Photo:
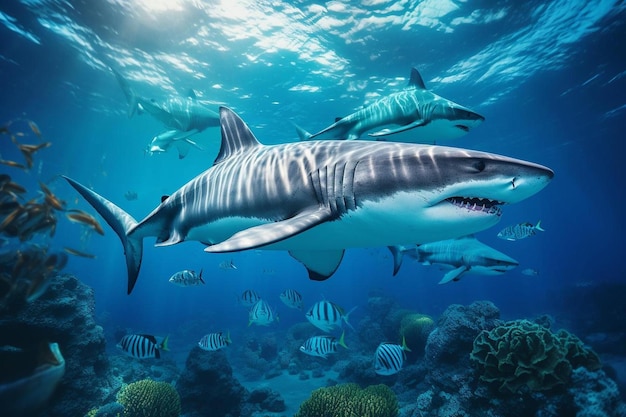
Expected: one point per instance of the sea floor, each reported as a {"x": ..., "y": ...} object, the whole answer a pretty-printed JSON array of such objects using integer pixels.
[{"x": 293, "y": 390}]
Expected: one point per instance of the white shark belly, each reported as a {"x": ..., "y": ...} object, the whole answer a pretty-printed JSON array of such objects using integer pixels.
[{"x": 389, "y": 221}]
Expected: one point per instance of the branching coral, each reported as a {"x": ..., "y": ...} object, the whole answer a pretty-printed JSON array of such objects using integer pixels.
[
  {"x": 349, "y": 400},
  {"x": 148, "y": 398},
  {"x": 521, "y": 353}
]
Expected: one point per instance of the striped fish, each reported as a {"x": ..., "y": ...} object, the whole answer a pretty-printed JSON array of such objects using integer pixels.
[
  {"x": 389, "y": 358},
  {"x": 248, "y": 298},
  {"x": 187, "y": 278},
  {"x": 142, "y": 346},
  {"x": 214, "y": 341},
  {"x": 261, "y": 314},
  {"x": 326, "y": 315},
  {"x": 520, "y": 231},
  {"x": 322, "y": 345},
  {"x": 291, "y": 298}
]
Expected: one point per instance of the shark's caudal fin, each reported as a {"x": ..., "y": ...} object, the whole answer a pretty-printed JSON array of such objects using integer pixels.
[
  {"x": 121, "y": 222},
  {"x": 131, "y": 98}
]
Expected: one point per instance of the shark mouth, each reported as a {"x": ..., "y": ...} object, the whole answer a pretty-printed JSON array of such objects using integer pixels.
[
  {"x": 462, "y": 127},
  {"x": 477, "y": 204}
]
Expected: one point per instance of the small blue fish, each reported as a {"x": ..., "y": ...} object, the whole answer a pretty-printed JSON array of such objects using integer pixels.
[
  {"x": 530, "y": 272},
  {"x": 291, "y": 298},
  {"x": 226, "y": 265},
  {"x": 187, "y": 278},
  {"x": 520, "y": 231},
  {"x": 214, "y": 341}
]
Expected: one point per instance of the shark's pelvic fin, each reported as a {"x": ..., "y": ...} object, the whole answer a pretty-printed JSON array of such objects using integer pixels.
[
  {"x": 268, "y": 233},
  {"x": 122, "y": 223},
  {"x": 416, "y": 80},
  {"x": 454, "y": 275},
  {"x": 319, "y": 264},
  {"x": 236, "y": 135}
]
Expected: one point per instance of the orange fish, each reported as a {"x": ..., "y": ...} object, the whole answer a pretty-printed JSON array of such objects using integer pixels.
[
  {"x": 51, "y": 199},
  {"x": 34, "y": 128},
  {"x": 80, "y": 216},
  {"x": 79, "y": 253},
  {"x": 29, "y": 150},
  {"x": 12, "y": 163}
]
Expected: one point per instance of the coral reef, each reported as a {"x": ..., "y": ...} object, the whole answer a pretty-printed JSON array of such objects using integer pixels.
[
  {"x": 65, "y": 314},
  {"x": 521, "y": 353},
  {"x": 266, "y": 399},
  {"x": 207, "y": 386},
  {"x": 148, "y": 398},
  {"x": 415, "y": 328},
  {"x": 350, "y": 400}
]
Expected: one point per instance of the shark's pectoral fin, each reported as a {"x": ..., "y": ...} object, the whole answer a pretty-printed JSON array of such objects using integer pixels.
[
  {"x": 454, "y": 275},
  {"x": 183, "y": 149},
  {"x": 268, "y": 233},
  {"x": 386, "y": 132},
  {"x": 319, "y": 264}
]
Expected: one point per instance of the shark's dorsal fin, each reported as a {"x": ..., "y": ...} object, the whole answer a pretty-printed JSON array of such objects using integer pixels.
[
  {"x": 416, "y": 80},
  {"x": 192, "y": 94},
  {"x": 236, "y": 135}
]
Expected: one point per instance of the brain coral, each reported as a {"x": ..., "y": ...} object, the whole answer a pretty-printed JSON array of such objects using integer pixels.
[
  {"x": 349, "y": 400},
  {"x": 148, "y": 398},
  {"x": 415, "y": 328},
  {"x": 522, "y": 353}
]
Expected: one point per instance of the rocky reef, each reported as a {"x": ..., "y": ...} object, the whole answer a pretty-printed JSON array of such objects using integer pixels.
[{"x": 64, "y": 314}]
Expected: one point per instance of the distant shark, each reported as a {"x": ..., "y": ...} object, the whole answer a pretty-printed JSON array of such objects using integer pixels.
[
  {"x": 462, "y": 255},
  {"x": 434, "y": 118},
  {"x": 317, "y": 198},
  {"x": 185, "y": 116}
]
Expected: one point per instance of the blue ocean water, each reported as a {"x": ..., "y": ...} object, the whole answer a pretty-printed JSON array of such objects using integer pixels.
[{"x": 549, "y": 77}]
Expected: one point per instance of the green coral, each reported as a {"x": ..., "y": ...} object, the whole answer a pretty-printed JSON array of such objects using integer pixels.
[
  {"x": 349, "y": 400},
  {"x": 148, "y": 398},
  {"x": 522, "y": 353},
  {"x": 415, "y": 328}
]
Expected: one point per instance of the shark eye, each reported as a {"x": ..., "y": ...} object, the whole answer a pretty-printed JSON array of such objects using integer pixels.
[{"x": 479, "y": 165}]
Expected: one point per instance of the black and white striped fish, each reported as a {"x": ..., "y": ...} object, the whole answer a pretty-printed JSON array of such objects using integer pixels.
[
  {"x": 142, "y": 346},
  {"x": 261, "y": 314},
  {"x": 322, "y": 345},
  {"x": 291, "y": 298},
  {"x": 389, "y": 358},
  {"x": 520, "y": 231},
  {"x": 248, "y": 298},
  {"x": 326, "y": 315},
  {"x": 187, "y": 278},
  {"x": 214, "y": 341}
]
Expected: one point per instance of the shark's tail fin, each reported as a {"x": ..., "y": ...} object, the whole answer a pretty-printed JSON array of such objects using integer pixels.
[
  {"x": 131, "y": 98},
  {"x": 121, "y": 222},
  {"x": 302, "y": 134},
  {"x": 396, "y": 252}
]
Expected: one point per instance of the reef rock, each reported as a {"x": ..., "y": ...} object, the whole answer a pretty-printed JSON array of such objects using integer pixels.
[
  {"x": 207, "y": 386},
  {"x": 64, "y": 314}
]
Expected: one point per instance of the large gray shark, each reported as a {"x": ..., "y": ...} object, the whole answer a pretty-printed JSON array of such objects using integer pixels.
[
  {"x": 415, "y": 107},
  {"x": 185, "y": 116},
  {"x": 317, "y": 198},
  {"x": 462, "y": 255}
]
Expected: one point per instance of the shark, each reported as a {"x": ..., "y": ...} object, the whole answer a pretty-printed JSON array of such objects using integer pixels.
[
  {"x": 315, "y": 199},
  {"x": 185, "y": 116},
  {"x": 462, "y": 255},
  {"x": 432, "y": 118}
]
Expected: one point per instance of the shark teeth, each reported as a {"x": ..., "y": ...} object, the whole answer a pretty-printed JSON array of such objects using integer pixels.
[{"x": 477, "y": 204}]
